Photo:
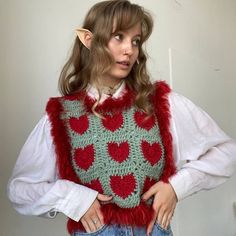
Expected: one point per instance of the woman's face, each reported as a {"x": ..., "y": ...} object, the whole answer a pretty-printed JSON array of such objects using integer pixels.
[{"x": 124, "y": 47}]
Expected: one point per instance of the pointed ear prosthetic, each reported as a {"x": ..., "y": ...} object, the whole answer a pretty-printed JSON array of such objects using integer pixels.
[{"x": 85, "y": 36}]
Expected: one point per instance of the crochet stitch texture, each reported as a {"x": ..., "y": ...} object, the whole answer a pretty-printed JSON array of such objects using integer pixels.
[
  {"x": 142, "y": 214},
  {"x": 116, "y": 154}
]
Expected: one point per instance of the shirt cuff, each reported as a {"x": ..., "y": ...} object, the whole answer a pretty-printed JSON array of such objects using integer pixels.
[
  {"x": 77, "y": 202},
  {"x": 186, "y": 182},
  {"x": 50, "y": 214}
]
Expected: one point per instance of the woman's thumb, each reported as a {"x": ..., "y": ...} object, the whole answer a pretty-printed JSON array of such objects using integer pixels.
[{"x": 104, "y": 198}]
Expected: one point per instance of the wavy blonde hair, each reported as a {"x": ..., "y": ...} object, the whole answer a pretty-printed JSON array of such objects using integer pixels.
[{"x": 85, "y": 66}]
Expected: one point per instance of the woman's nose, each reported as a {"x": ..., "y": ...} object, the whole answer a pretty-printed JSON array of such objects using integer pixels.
[{"x": 128, "y": 48}]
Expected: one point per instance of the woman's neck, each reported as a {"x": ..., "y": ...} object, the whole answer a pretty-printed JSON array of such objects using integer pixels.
[
  {"x": 108, "y": 82},
  {"x": 108, "y": 88}
]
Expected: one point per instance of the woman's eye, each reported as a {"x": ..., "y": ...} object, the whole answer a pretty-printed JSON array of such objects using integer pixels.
[
  {"x": 136, "y": 42},
  {"x": 119, "y": 36}
]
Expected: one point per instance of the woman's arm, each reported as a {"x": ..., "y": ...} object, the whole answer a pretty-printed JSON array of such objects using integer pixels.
[
  {"x": 205, "y": 155},
  {"x": 35, "y": 189}
]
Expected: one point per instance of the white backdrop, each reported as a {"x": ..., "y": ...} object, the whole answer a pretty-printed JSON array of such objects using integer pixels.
[{"x": 35, "y": 40}]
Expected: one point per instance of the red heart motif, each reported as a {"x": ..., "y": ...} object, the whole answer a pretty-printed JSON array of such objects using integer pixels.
[
  {"x": 79, "y": 125},
  {"x": 95, "y": 185},
  {"x": 114, "y": 122},
  {"x": 84, "y": 157},
  {"x": 152, "y": 152},
  {"x": 123, "y": 186},
  {"x": 119, "y": 152},
  {"x": 143, "y": 121}
]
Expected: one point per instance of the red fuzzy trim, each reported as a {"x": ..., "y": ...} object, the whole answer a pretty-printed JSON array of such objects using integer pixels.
[
  {"x": 61, "y": 140},
  {"x": 137, "y": 216},
  {"x": 113, "y": 104},
  {"x": 109, "y": 105},
  {"x": 161, "y": 107}
]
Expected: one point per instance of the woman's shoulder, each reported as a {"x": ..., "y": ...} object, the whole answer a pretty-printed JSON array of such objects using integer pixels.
[
  {"x": 55, "y": 102},
  {"x": 71, "y": 97},
  {"x": 161, "y": 89},
  {"x": 161, "y": 85}
]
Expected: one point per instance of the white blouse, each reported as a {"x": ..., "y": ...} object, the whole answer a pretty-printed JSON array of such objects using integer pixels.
[{"x": 204, "y": 154}]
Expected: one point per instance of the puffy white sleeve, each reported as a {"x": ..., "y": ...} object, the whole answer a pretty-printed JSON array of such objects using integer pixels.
[
  {"x": 34, "y": 187},
  {"x": 205, "y": 156}
]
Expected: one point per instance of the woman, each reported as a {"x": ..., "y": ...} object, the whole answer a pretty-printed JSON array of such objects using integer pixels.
[{"x": 105, "y": 153}]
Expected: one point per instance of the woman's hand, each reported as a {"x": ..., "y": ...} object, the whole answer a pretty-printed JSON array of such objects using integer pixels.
[
  {"x": 164, "y": 204},
  {"x": 92, "y": 220}
]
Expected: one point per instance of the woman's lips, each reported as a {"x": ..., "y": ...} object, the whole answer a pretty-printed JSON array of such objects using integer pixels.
[{"x": 124, "y": 64}]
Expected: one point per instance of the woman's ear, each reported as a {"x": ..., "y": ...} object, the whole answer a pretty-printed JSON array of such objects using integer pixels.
[{"x": 85, "y": 36}]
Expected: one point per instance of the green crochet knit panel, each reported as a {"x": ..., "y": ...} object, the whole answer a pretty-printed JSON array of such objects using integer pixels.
[{"x": 116, "y": 155}]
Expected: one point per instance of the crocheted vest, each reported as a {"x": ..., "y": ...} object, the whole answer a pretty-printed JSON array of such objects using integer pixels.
[{"x": 121, "y": 154}]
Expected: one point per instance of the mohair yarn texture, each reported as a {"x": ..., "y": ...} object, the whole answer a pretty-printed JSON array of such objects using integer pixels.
[{"x": 122, "y": 154}]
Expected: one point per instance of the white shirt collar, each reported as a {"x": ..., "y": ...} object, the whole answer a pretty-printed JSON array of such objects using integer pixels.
[{"x": 93, "y": 92}]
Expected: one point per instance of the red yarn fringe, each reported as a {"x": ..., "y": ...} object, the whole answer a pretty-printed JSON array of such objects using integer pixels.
[
  {"x": 112, "y": 104},
  {"x": 109, "y": 105},
  {"x": 137, "y": 216},
  {"x": 61, "y": 141},
  {"x": 162, "y": 110}
]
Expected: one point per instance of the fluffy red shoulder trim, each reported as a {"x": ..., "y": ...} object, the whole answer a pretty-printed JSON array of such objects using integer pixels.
[
  {"x": 162, "y": 110},
  {"x": 61, "y": 140}
]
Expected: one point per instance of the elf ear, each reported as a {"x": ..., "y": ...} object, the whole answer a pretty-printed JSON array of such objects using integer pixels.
[{"x": 85, "y": 36}]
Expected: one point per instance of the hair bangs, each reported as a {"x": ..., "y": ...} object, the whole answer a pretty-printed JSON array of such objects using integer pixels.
[{"x": 127, "y": 15}]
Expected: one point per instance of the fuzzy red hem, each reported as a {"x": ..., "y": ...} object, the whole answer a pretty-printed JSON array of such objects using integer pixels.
[{"x": 137, "y": 216}]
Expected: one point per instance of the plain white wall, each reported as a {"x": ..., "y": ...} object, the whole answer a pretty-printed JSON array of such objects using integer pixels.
[
  {"x": 35, "y": 40},
  {"x": 202, "y": 35}
]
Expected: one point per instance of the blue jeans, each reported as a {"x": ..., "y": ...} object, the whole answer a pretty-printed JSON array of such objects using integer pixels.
[{"x": 115, "y": 230}]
